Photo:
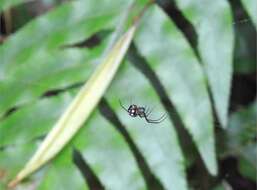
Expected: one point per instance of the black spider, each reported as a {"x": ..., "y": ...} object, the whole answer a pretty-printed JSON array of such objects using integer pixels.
[{"x": 142, "y": 112}]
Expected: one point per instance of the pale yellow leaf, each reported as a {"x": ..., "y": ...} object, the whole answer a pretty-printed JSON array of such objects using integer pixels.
[{"x": 80, "y": 108}]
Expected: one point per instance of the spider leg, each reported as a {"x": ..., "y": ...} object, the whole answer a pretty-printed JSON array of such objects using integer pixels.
[
  {"x": 148, "y": 112},
  {"x": 159, "y": 120},
  {"x": 150, "y": 121},
  {"x": 123, "y": 106},
  {"x": 163, "y": 117}
]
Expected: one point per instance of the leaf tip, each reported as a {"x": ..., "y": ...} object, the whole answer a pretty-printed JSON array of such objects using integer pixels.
[
  {"x": 214, "y": 171},
  {"x": 12, "y": 184}
]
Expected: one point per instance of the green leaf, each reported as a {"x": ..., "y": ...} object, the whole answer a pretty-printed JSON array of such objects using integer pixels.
[
  {"x": 34, "y": 119},
  {"x": 241, "y": 134},
  {"x": 22, "y": 131},
  {"x": 40, "y": 57},
  {"x": 13, "y": 158},
  {"x": 109, "y": 157},
  {"x": 250, "y": 6},
  {"x": 157, "y": 142},
  {"x": 67, "y": 24},
  {"x": 213, "y": 24},
  {"x": 61, "y": 69},
  {"x": 176, "y": 66},
  {"x": 55, "y": 176},
  {"x": 104, "y": 148},
  {"x": 246, "y": 167},
  {"x": 31, "y": 130},
  {"x": 242, "y": 126}
]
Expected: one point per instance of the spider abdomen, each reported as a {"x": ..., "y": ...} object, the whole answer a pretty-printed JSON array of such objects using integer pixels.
[{"x": 141, "y": 111}]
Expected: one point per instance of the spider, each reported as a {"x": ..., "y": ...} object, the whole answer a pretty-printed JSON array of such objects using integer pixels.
[{"x": 142, "y": 112}]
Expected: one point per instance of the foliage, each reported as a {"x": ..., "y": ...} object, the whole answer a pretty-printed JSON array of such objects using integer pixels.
[
  {"x": 43, "y": 68},
  {"x": 241, "y": 139}
]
